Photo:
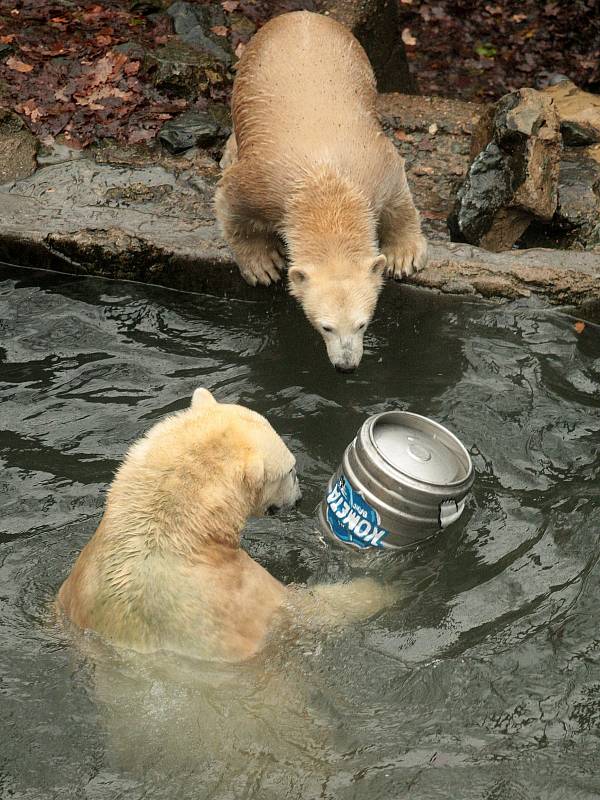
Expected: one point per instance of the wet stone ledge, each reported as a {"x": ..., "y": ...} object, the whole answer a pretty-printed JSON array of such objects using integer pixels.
[{"x": 145, "y": 215}]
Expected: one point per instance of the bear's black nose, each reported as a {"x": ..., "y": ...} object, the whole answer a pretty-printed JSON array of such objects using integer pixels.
[{"x": 345, "y": 370}]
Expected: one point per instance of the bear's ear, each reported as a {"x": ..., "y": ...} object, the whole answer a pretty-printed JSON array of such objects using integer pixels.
[
  {"x": 379, "y": 265},
  {"x": 202, "y": 397},
  {"x": 255, "y": 471},
  {"x": 298, "y": 277}
]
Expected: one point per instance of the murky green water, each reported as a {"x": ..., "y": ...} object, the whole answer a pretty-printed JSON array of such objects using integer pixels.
[{"x": 483, "y": 683}]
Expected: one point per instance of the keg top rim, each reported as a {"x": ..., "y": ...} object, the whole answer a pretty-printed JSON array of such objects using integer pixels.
[{"x": 434, "y": 431}]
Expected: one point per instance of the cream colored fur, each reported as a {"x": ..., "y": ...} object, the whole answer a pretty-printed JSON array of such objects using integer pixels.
[
  {"x": 165, "y": 570},
  {"x": 309, "y": 175}
]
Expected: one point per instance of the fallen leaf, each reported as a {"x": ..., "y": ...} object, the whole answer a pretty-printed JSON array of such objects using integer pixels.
[
  {"x": 92, "y": 12},
  {"x": 230, "y": 5},
  {"x": 8, "y": 39},
  {"x": 219, "y": 30},
  {"x": 433, "y": 129},
  {"x": 579, "y": 326},
  {"x": 408, "y": 38},
  {"x": 108, "y": 67},
  {"x": 18, "y": 66},
  {"x": 140, "y": 135},
  {"x": 102, "y": 93},
  {"x": 31, "y": 110},
  {"x": 61, "y": 96},
  {"x": 240, "y": 49},
  {"x": 403, "y": 137},
  {"x": 423, "y": 171},
  {"x": 518, "y": 17}
]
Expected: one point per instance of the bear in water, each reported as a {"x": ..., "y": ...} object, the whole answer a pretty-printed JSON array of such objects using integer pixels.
[{"x": 165, "y": 570}]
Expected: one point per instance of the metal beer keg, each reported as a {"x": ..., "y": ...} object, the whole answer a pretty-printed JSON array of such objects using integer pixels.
[{"x": 402, "y": 480}]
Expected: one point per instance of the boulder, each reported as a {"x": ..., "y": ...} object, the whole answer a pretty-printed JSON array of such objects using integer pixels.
[
  {"x": 193, "y": 25},
  {"x": 183, "y": 70},
  {"x": 513, "y": 178},
  {"x": 190, "y": 129},
  {"x": 18, "y": 148},
  {"x": 376, "y": 26},
  {"x": 579, "y": 197},
  {"x": 197, "y": 58},
  {"x": 576, "y": 223},
  {"x": 579, "y": 112}
]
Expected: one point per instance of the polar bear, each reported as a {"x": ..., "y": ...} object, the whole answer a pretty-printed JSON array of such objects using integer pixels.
[
  {"x": 165, "y": 570},
  {"x": 310, "y": 176}
]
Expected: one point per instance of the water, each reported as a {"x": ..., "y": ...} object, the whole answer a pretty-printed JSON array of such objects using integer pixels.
[{"x": 484, "y": 682}]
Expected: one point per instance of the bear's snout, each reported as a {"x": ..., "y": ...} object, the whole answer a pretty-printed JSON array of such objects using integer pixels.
[{"x": 344, "y": 368}]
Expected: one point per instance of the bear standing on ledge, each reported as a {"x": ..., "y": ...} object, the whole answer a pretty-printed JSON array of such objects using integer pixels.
[{"x": 309, "y": 173}]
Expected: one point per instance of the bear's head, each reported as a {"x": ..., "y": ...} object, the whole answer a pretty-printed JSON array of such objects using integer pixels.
[
  {"x": 210, "y": 466},
  {"x": 259, "y": 455},
  {"x": 339, "y": 301}
]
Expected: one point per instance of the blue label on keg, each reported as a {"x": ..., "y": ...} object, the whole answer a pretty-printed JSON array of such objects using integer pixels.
[{"x": 351, "y": 518}]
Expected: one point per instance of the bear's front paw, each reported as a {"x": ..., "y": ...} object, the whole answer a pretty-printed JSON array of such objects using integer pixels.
[
  {"x": 406, "y": 257},
  {"x": 262, "y": 266}
]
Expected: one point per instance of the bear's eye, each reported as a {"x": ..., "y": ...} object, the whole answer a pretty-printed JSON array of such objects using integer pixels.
[
  {"x": 327, "y": 328},
  {"x": 362, "y": 326}
]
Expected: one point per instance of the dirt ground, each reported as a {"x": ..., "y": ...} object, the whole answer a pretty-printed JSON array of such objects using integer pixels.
[
  {"x": 478, "y": 51},
  {"x": 85, "y": 69}
]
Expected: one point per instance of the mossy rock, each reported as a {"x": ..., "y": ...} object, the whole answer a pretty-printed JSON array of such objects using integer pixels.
[{"x": 183, "y": 70}]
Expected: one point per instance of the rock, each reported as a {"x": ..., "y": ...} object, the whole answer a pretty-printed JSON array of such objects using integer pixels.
[
  {"x": 146, "y": 7},
  {"x": 132, "y": 50},
  {"x": 563, "y": 278},
  {"x": 579, "y": 112},
  {"x": 18, "y": 148},
  {"x": 193, "y": 23},
  {"x": 139, "y": 221},
  {"x": 183, "y": 70},
  {"x": 375, "y": 25},
  {"x": 576, "y": 223},
  {"x": 579, "y": 196},
  {"x": 514, "y": 177},
  {"x": 190, "y": 129}
]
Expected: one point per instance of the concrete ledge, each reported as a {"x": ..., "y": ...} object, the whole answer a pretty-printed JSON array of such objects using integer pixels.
[{"x": 141, "y": 215}]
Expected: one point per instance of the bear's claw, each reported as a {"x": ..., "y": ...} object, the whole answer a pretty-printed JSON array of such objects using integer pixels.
[
  {"x": 406, "y": 258},
  {"x": 265, "y": 268}
]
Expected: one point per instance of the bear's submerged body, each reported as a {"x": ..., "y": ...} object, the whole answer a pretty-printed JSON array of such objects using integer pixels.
[
  {"x": 165, "y": 570},
  {"x": 311, "y": 169}
]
